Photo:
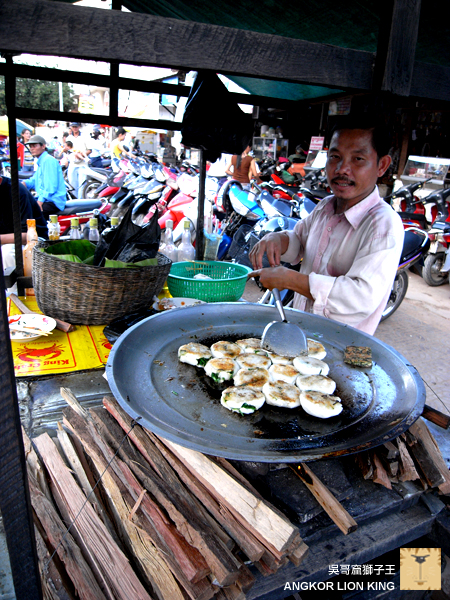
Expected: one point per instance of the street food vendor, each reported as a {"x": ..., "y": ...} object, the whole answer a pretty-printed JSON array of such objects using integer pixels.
[{"x": 350, "y": 245}]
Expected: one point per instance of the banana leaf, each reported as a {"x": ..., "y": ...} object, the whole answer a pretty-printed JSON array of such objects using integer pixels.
[
  {"x": 83, "y": 249},
  {"x": 69, "y": 257},
  {"x": 118, "y": 264}
]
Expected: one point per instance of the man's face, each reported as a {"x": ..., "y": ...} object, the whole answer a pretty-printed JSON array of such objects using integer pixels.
[
  {"x": 75, "y": 129},
  {"x": 352, "y": 166},
  {"x": 36, "y": 149}
]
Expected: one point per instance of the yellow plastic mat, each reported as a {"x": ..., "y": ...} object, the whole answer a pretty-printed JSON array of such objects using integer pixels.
[{"x": 80, "y": 350}]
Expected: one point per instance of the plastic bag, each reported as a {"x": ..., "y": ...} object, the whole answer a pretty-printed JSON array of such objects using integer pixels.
[
  {"x": 130, "y": 242},
  {"x": 212, "y": 121}
]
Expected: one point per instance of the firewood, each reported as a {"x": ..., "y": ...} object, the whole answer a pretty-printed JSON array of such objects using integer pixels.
[
  {"x": 174, "y": 550},
  {"x": 179, "y": 506},
  {"x": 231, "y": 592},
  {"x": 53, "y": 587},
  {"x": 325, "y": 498},
  {"x": 407, "y": 470},
  {"x": 389, "y": 450},
  {"x": 275, "y": 532},
  {"x": 379, "y": 472},
  {"x": 246, "y": 579},
  {"x": 153, "y": 455},
  {"x": 364, "y": 464},
  {"x": 296, "y": 556},
  {"x": 424, "y": 454},
  {"x": 422, "y": 433},
  {"x": 58, "y": 538},
  {"x": 109, "y": 564},
  {"x": 34, "y": 466},
  {"x": 147, "y": 442},
  {"x": 251, "y": 547}
]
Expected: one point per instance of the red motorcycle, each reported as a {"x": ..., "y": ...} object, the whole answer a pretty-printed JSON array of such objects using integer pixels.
[{"x": 83, "y": 210}]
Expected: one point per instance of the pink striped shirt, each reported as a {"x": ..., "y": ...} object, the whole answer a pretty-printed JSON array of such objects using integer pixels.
[{"x": 351, "y": 259}]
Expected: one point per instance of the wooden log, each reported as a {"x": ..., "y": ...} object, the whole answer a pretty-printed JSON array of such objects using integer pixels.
[
  {"x": 251, "y": 547},
  {"x": 232, "y": 592},
  {"x": 424, "y": 455},
  {"x": 379, "y": 472},
  {"x": 325, "y": 498},
  {"x": 178, "y": 505},
  {"x": 407, "y": 469},
  {"x": 109, "y": 564},
  {"x": 436, "y": 417},
  {"x": 153, "y": 455},
  {"x": 182, "y": 558},
  {"x": 273, "y": 531},
  {"x": 389, "y": 451},
  {"x": 246, "y": 579},
  {"x": 296, "y": 556},
  {"x": 421, "y": 431},
  {"x": 52, "y": 585},
  {"x": 67, "y": 550},
  {"x": 364, "y": 464}
]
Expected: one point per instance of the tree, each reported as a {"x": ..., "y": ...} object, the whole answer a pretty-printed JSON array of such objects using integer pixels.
[{"x": 34, "y": 93}]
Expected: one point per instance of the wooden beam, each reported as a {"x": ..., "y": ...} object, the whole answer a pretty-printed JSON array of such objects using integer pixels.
[
  {"x": 140, "y": 39},
  {"x": 397, "y": 47},
  {"x": 15, "y": 505}
]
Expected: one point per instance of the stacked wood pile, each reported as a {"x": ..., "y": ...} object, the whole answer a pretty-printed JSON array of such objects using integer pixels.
[
  {"x": 413, "y": 456},
  {"x": 163, "y": 522}
]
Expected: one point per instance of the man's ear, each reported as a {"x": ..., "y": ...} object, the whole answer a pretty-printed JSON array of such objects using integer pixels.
[{"x": 383, "y": 164}]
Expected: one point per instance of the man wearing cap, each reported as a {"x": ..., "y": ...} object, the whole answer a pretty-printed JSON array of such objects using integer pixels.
[
  {"x": 80, "y": 154},
  {"x": 48, "y": 180}
]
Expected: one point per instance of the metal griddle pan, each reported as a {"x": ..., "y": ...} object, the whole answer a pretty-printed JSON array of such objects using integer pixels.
[{"x": 178, "y": 402}]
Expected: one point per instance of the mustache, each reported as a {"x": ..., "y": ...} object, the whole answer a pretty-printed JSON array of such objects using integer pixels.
[{"x": 342, "y": 180}]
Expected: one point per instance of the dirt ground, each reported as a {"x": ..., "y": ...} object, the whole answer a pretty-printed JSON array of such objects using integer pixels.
[{"x": 420, "y": 331}]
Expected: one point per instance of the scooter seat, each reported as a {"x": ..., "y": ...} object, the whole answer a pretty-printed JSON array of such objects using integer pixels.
[
  {"x": 101, "y": 171},
  {"x": 25, "y": 174},
  {"x": 78, "y": 206}
]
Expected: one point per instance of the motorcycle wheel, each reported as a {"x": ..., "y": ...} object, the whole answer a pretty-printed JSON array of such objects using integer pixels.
[
  {"x": 88, "y": 191},
  {"x": 398, "y": 292},
  {"x": 431, "y": 271}
]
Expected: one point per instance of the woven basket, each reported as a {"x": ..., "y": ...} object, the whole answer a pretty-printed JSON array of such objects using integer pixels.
[{"x": 87, "y": 295}]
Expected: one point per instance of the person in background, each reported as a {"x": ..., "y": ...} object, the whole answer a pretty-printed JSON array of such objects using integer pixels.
[
  {"x": 97, "y": 147},
  {"x": 283, "y": 165},
  {"x": 299, "y": 156},
  {"x": 350, "y": 245},
  {"x": 28, "y": 160},
  {"x": 48, "y": 180},
  {"x": 81, "y": 152},
  {"x": 66, "y": 153},
  {"x": 242, "y": 168},
  {"x": 20, "y": 151},
  {"x": 117, "y": 145}
]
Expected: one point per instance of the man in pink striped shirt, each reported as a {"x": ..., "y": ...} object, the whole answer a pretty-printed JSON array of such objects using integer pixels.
[{"x": 350, "y": 245}]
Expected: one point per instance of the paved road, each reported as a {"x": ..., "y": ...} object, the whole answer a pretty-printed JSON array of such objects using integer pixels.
[{"x": 420, "y": 331}]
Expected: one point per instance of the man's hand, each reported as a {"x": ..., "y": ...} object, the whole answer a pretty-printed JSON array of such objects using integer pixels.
[
  {"x": 40, "y": 204},
  {"x": 275, "y": 277},
  {"x": 273, "y": 245}
]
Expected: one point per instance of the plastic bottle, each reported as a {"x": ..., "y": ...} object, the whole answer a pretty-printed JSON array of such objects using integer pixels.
[
  {"x": 94, "y": 235},
  {"x": 32, "y": 240},
  {"x": 186, "y": 250},
  {"x": 170, "y": 250},
  {"x": 108, "y": 233},
  {"x": 75, "y": 233},
  {"x": 54, "y": 228}
]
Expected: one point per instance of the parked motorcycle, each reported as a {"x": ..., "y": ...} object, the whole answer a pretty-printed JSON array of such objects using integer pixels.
[{"x": 437, "y": 261}]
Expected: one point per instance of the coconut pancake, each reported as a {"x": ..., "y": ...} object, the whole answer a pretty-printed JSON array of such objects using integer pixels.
[
  {"x": 254, "y": 378},
  {"x": 316, "y": 349},
  {"x": 320, "y": 405},
  {"x": 225, "y": 349},
  {"x": 243, "y": 400},
  {"x": 252, "y": 361},
  {"x": 282, "y": 394},
  {"x": 194, "y": 354},
  {"x": 221, "y": 369},
  {"x": 286, "y": 373},
  {"x": 315, "y": 383},
  {"x": 307, "y": 365}
]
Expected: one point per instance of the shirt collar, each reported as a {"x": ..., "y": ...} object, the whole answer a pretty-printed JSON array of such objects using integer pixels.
[
  {"x": 39, "y": 160},
  {"x": 356, "y": 213}
]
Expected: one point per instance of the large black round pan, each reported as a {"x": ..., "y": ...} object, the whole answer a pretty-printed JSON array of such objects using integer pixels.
[{"x": 177, "y": 402}]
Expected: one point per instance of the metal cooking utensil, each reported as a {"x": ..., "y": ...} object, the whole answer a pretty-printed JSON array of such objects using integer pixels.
[{"x": 284, "y": 338}]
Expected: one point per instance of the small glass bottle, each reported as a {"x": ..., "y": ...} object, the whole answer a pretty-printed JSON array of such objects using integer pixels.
[
  {"x": 32, "y": 240},
  {"x": 108, "y": 233},
  {"x": 75, "y": 233},
  {"x": 169, "y": 249},
  {"x": 94, "y": 235},
  {"x": 54, "y": 228},
  {"x": 186, "y": 250}
]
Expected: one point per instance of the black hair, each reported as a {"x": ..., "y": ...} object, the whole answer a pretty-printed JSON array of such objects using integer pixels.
[
  {"x": 380, "y": 135},
  {"x": 69, "y": 143},
  {"x": 120, "y": 131}
]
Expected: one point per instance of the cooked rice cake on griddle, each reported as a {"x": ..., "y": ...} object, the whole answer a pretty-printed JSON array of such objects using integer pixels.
[
  {"x": 282, "y": 394},
  {"x": 320, "y": 405},
  {"x": 358, "y": 356},
  {"x": 251, "y": 346},
  {"x": 287, "y": 373},
  {"x": 224, "y": 349},
  {"x": 194, "y": 354},
  {"x": 307, "y": 365},
  {"x": 254, "y": 378},
  {"x": 315, "y": 383},
  {"x": 252, "y": 361},
  {"x": 243, "y": 400},
  {"x": 221, "y": 369},
  {"x": 316, "y": 349}
]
